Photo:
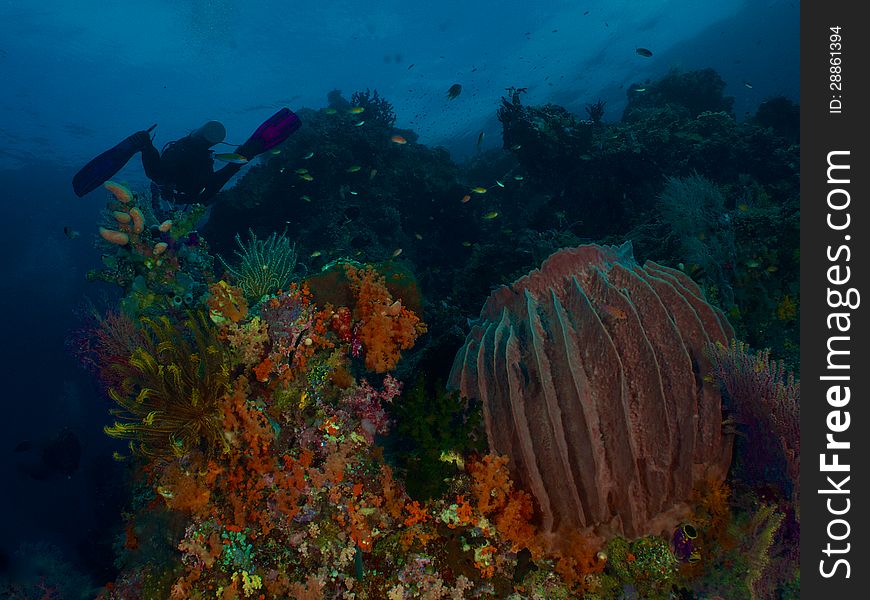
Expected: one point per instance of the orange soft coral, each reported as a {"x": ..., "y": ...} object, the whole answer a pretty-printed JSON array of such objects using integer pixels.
[
  {"x": 514, "y": 522},
  {"x": 182, "y": 490},
  {"x": 491, "y": 483},
  {"x": 226, "y": 303},
  {"x": 386, "y": 326}
]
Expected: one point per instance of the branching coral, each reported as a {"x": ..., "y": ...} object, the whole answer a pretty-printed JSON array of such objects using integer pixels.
[
  {"x": 265, "y": 266},
  {"x": 171, "y": 389},
  {"x": 377, "y": 108}
]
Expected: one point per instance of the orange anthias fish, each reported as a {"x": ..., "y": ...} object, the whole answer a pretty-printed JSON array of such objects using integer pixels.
[
  {"x": 615, "y": 312},
  {"x": 398, "y": 139}
]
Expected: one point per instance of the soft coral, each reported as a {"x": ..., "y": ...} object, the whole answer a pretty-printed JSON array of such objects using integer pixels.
[{"x": 387, "y": 326}]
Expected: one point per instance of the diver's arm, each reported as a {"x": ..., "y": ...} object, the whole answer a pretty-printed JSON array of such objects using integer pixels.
[{"x": 217, "y": 181}]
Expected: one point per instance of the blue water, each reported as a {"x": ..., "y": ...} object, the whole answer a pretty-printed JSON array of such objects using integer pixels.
[{"x": 79, "y": 76}]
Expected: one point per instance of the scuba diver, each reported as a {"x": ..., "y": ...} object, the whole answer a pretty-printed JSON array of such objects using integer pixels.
[{"x": 183, "y": 172}]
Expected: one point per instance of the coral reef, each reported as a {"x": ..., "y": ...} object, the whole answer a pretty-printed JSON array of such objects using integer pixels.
[
  {"x": 291, "y": 434},
  {"x": 694, "y": 91}
]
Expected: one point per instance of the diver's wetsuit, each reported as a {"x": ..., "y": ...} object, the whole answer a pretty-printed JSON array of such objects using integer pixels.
[{"x": 184, "y": 171}]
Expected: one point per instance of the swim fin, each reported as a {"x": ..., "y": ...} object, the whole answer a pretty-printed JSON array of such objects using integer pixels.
[
  {"x": 272, "y": 132},
  {"x": 103, "y": 167}
]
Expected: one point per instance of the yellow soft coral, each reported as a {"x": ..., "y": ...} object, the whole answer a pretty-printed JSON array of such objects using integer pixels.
[
  {"x": 250, "y": 583},
  {"x": 248, "y": 340}
]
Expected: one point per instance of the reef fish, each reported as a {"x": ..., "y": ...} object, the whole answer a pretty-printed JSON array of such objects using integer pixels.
[
  {"x": 70, "y": 232},
  {"x": 231, "y": 157},
  {"x": 454, "y": 91},
  {"x": 643, "y": 52},
  {"x": 397, "y": 139}
]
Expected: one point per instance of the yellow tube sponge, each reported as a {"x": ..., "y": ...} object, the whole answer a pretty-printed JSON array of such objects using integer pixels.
[
  {"x": 121, "y": 216},
  {"x": 114, "y": 237},
  {"x": 119, "y": 191},
  {"x": 138, "y": 220}
]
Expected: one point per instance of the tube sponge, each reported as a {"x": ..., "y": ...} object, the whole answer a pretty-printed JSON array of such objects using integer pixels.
[
  {"x": 138, "y": 220},
  {"x": 114, "y": 237},
  {"x": 121, "y": 216},
  {"x": 119, "y": 191}
]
